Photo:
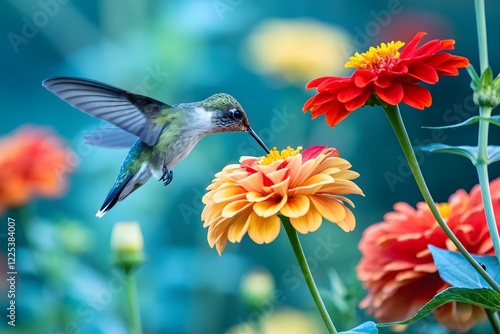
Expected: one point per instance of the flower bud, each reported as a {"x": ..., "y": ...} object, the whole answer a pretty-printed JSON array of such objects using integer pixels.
[
  {"x": 486, "y": 89},
  {"x": 127, "y": 245},
  {"x": 257, "y": 287},
  {"x": 487, "y": 96}
]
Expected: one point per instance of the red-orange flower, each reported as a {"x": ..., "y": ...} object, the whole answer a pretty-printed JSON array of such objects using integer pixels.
[
  {"x": 304, "y": 187},
  {"x": 33, "y": 163},
  {"x": 397, "y": 267},
  {"x": 385, "y": 72}
]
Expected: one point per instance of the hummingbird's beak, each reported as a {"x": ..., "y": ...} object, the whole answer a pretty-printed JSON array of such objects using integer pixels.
[{"x": 254, "y": 135}]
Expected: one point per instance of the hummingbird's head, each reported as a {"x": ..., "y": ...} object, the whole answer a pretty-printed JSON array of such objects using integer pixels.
[{"x": 229, "y": 116}]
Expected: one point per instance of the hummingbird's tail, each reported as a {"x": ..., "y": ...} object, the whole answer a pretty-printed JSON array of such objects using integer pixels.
[
  {"x": 113, "y": 195},
  {"x": 123, "y": 187}
]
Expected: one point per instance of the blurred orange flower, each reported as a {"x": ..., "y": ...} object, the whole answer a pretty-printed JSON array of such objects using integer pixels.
[
  {"x": 304, "y": 187},
  {"x": 397, "y": 267},
  {"x": 33, "y": 163},
  {"x": 388, "y": 74}
]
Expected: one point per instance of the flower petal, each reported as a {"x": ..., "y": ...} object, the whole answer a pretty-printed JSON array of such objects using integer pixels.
[
  {"x": 310, "y": 222},
  {"x": 229, "y": 194},
  {"x": 239, "y": 227},
  {"x": 410, "y": 47},
  {"x": 349, "y": 221},
  {"x": 392, "y": 95},
  {"x": 311, "y": 152},
  {"x": 316, "y": 82},
  {"x": 312, "y": 185},
  {"x": 349, "y": 93},
  {"x": 359, "y": 101},
  {"x": 330, "y": 208},
  {"x": 363, "y": 78},
  {"x": 295, "y": 206},
  {"x": 341, "y": 187},
  {"x": 235, "y": 207},
  {"x": 253, "y": 196},
  {"x": 281, "y": 188},
  {"x": 318, "y": 99},
  {"x": 334, "y": 117},
  {"x": 423, "y": 72},
  {"x": 253, "y": 182},
  {"x": 278, "y": 175},
  {"x": 211, "y": 213},
  {"x": 316, "y": 180},
  {"x": 416, "y": 96},
  {"x": 270, "y": 206},
  {"x": 263, "y": 230}
]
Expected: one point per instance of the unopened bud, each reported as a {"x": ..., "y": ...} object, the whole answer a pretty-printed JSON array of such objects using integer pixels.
[
  {"x": 487, "y": 96},
  {"x": 127, "y": 245}
]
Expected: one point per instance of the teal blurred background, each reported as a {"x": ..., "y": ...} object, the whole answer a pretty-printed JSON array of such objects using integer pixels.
[{"x": 263, "y": 53}]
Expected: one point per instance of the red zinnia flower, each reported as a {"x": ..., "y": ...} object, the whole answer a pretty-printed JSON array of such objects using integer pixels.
[
  {"x": 397, "y": 267},
  {"x": 33, "y": 162},
  {"x": 390, "y": 75}
]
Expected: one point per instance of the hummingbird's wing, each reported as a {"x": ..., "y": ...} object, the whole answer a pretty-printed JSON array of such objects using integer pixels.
[
  {"x": 131, "y": 112},
  {"x": 109, "y": 137}
]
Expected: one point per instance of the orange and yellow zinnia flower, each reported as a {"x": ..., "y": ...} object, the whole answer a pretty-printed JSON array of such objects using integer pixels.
[
  {"x": 388, "y": 74},
  {"x": 304, "y": 187},
  {"x": 397, "y": 267},
  {"x": 33, "y": 163}
]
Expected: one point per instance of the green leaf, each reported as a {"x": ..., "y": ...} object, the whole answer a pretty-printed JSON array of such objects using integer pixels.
[
  {"x": 338, "y": 293},
  {"x": 469, "y": 121},
  {"x": 469, "y": 152},
  {"x": 496, "y": 83},
  {"x": 474, "y": 76},
  {"x": 368, "y": 327},
  {"x": 487, "y": 77},
  {"x": 485, "y": 298},
  {"x": 493, "y": 153},
  {"x": 456, "y": 270},
  {"x": 493, "y": 120}
]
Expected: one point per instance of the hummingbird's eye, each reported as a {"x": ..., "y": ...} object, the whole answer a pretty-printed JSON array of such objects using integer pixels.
[{"x": 236, "y": 113}]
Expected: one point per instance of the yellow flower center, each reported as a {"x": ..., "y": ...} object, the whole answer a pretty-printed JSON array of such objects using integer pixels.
[
  {"x": 382, "y": 58},
  {"x": 444, "y": 209},
  {"x": 276, "y": 155}
]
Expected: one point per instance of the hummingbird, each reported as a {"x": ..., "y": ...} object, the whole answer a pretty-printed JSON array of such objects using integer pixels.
[{"x": 159, "y": 135}]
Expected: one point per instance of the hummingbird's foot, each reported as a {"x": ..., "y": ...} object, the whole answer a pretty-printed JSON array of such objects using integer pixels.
[{"x": 167, "y": 176}]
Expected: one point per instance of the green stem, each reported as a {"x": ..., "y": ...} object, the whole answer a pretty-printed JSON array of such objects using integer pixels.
[
  {"x": 485, "y": 112},
  {"x": 481, "y": 34},
  {"x": 133, "y": 302},
  {"x": 493, "y": 318},
  {"x": 301, "y": 259},
  {"x": 482, "y": 173},
  {"x": 397, "y": 123}
]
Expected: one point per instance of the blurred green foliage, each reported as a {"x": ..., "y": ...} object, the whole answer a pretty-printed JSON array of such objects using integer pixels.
[{"x": 181, "y": 51}]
